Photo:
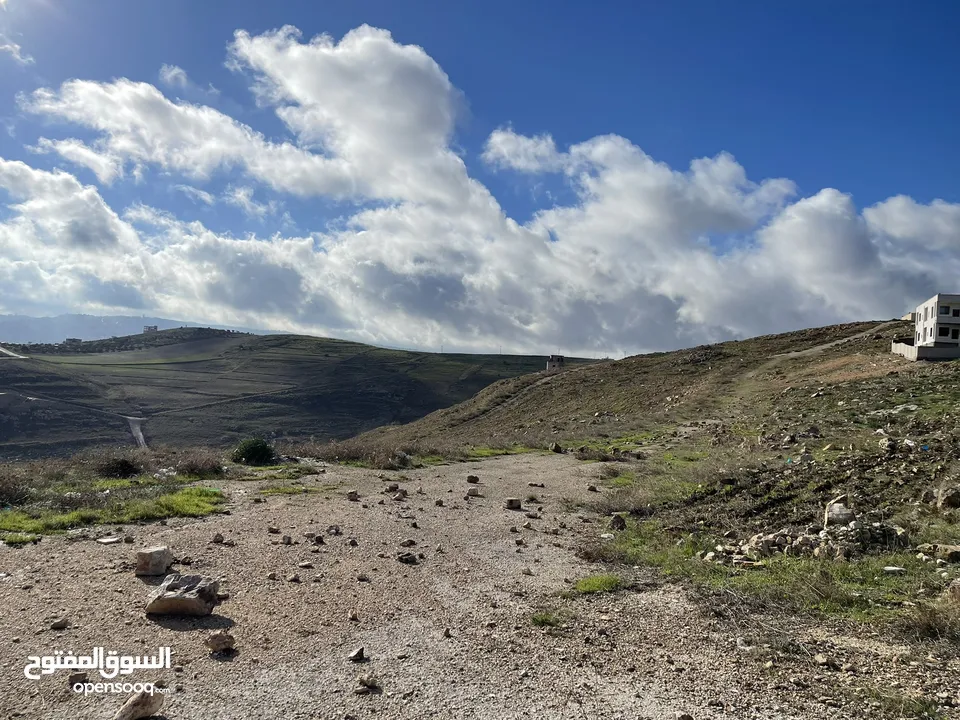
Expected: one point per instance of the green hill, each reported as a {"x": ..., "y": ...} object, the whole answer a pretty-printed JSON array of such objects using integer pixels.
[{"x": 201, "y": 386}]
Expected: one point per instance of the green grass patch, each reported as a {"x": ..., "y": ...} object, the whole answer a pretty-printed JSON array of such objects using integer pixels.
[
  {"x": 19, "y": 539},
  {"x": 186, "y": 502},
  {"x": 624, "y": 479},
  {"x": 858, "y": 589},
  {"x": 604, "y": 583},
  {"x": 545, "y": 619}
]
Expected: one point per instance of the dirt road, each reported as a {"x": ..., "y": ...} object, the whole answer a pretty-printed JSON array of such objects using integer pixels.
[{"x": 644, "y": 652}]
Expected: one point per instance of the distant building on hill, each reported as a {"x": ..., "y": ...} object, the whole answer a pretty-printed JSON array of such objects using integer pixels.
[
  {"x": 554, "y": 363},
  {"x": 149, "y": 329},
  {"x": 72, "y": 342},
  {"x": 936, "y": 330}
]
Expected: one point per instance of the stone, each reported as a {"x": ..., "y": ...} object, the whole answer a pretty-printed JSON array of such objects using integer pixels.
[
  {"x": 154, "y": 561},
  {"x": 293, "y": 578},
  {"x": 952, "y": 593},
  {"x": 682, "y": 716},
  {"x": 617, "y": 522},
  {"x": 473, "y": 492},
  {"x": 286, "y": 540},
  {"x": 221, "y": 642},
  {"x": 948, "y": 498},
  {"x": 140, "y": 705},
  {"x": 353, "y": 496},
  {"x": 526, "y": 571},
  {"x": 217, "y": 539},
  {"x": 353, "y": 616},
  {"x": 76, "y": 677},
  {"x": 128, "y": 539},
  {"x": 271, "y": 576},
  {"x": 366, "y": 684},
  {"x": 306, "y": 565},
  {"x": 512, "y": 504},
  {"x": 837, "y": 513},
  {"x": 357, "y": 656},
  {"x": 61, "y": 624},
  {"x": 473, "y": 479},
  {"x": 438, "y": 502},
  {"x": 408, "y": 543},
  {"x": 592, "y": 488},
  {"x": 334, "y": 530},
  {"x": 273, "y": 530},
  {"x": 894, "y": 570},
  {"x": 949, "y": 553},
  {"x": 108, "y": 540},
  {"x": 556, "y": 447},
  {"x": 184, "y": 595},
  {"x": 407, "y": 558}
]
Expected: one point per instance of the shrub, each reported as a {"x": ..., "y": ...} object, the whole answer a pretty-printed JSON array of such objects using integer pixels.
[
  {"x": 545, "y": 619},
  {"x": 200, "y": 462},
  {"x": 253, "y": 451},
  {"x": 117, "y": 467},
  {"x": 13, "y": 490}
]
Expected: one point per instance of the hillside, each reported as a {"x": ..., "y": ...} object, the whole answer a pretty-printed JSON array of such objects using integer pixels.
[
  {"x": 201, "y": 386},
  {"x": 736, "y": 382}
]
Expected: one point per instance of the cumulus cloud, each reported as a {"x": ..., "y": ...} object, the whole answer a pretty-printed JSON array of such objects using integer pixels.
[{"x": 645, "y": 256}]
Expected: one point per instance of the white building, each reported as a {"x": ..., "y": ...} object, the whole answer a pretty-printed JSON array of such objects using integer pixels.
[{"x": 936, "y": 330}]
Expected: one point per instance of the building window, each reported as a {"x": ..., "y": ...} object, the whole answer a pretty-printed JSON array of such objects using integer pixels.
[
  {"x": 956, "y": 312},
  {"x": 944, "y": 310},
  {"x": 955, "y": 334},
  {"x": 943, "y": 332},
  {"x": 918, "y": 337}
]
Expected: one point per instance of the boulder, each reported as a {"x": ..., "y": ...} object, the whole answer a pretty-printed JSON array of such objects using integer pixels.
[
  {"x": 221, "y": 642},
  {"x": 154, "y": 561},
  {"x": 837, "y": 513},
  {"x": 184, "y": 595},
  {"x": 512, "y": 504}
]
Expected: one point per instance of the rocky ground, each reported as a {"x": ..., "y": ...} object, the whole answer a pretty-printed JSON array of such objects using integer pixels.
[{"x": 451, "y": 636}]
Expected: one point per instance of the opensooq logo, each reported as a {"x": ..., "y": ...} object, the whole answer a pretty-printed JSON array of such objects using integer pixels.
[{"x": 110, "y": 664}]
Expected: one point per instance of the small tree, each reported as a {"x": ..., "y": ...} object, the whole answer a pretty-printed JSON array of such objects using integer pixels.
[{"x": 253, "y": 451}]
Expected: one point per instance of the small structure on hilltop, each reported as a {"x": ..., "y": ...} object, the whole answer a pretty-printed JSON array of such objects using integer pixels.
[
  {"x": 936, "y": 330},
  {"x": 149, "y": 329},
  {"x": 72, "y": 342},
  {"x": 554, "y": 363}
]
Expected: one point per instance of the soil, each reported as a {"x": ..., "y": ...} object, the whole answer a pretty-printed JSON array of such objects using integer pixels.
[{"x": 646, "y": 651}]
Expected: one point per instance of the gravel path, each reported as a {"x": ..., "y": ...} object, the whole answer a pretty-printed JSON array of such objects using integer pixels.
[{"x": 646, "y": 652}]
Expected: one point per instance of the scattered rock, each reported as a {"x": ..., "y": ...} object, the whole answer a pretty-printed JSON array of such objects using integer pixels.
[
  {"x": 221, "y": 642},
  {"x": 617, "y": 522},
  {"x": 948, "y": 497},
  {"x": 154, "y": 561},
  {"x": 473, "y": 492},
  {"x": 217, "y": 539},
  {"x": 837, "y": 513},
  {"x": 438, "y": 502},
  {"x": 184, "y": 595},
  {"x": 75, "y": 678},
  {"x": 366, "y": 684},
  {"x": 526, "y": 571},
  {"x": 357, "y": 656},
  {"x": 407, "y": 558},
  {"x": 353, "y": 616},
  {"x": 408, "y": 543},
  {"x": 273, "y": 530},
  {"x": 293, "y": 578},
  {"x": 140, "y": 705},
  {"x": 108, "y": 540},
  {"x": 61, "y": 624},
  {"x": 473, "y": 479},
  {"x": 556, "y": 447},
  {"x": 286, "y": 540},
  {"x": 353, "y": 496},
  {"x": 512, "y": 504},
  {"x": 592, "y": 488},
  {"x": 306, "y": 565}
]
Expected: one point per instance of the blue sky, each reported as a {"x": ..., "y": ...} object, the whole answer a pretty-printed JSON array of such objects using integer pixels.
[{"x": 857, "y": 96}]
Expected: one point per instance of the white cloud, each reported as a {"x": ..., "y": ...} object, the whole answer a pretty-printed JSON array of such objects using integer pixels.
[
  {"x": 173, "y": 76},
  {"x": 242, "y": 197},
  {"x": 15, "y": 51},
  {"x": 106, "y": 166},
  {"x": 196, "y": 194},
  {"x": 645, "y": 256}
]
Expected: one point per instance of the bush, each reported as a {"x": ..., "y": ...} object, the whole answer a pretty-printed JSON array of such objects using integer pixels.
[
  {"x": 253, "y": 451},
  {"x": 13, "y": 490},
  {"x": 598, "y": 584},
  {"x": 200, "y": 462},
  {"x": 117, "y": 467}
]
